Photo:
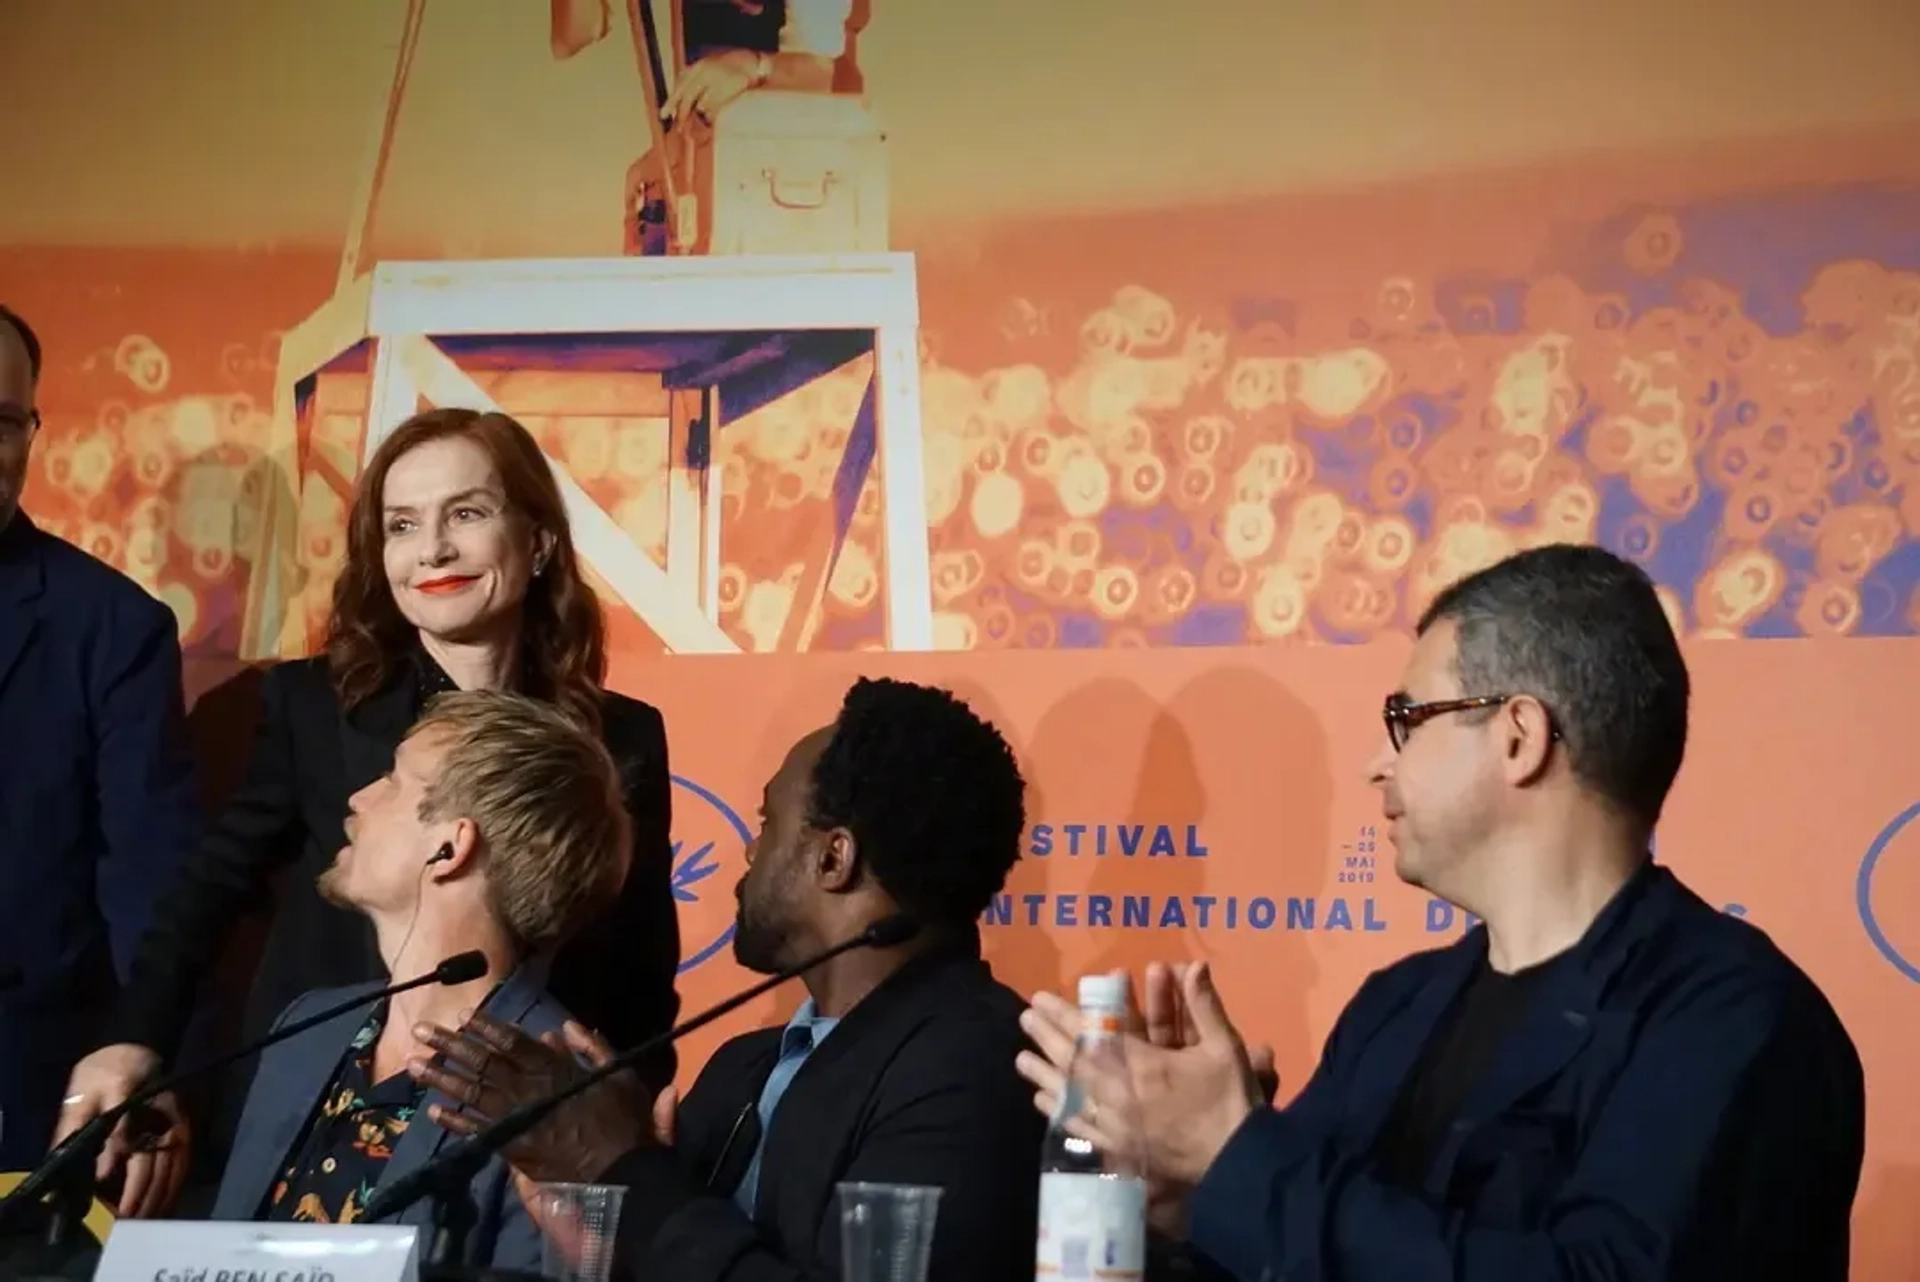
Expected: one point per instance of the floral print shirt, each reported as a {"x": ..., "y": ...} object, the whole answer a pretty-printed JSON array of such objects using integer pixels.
[{"x": 338, "y": 1162}]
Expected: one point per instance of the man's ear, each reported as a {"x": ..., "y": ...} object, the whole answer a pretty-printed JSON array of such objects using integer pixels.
[
  {"x": 1527, "y": 729},
  {"x": 457, "y": 852},
  {"x": 836, "y": 861}
]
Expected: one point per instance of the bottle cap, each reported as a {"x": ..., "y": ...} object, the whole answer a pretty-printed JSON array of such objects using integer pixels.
[{"x": 1104, "y": 992}]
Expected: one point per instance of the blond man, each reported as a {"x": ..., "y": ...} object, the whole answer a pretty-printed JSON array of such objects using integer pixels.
[{"x": 501, "y": 829}]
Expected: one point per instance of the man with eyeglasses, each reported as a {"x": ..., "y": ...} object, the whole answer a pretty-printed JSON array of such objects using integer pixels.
[
  {"x": 96, "y": 794},
  {"x": 1606, "y": 1079}
]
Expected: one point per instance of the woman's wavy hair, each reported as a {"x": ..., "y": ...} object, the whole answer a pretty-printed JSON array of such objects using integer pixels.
[{"x": 563, "y": 632}]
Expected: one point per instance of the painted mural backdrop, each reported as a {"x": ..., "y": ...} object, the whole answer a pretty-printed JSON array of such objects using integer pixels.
[
  {"x": 1729, "y": 393},
  {"x": 1206, "y": 341}
]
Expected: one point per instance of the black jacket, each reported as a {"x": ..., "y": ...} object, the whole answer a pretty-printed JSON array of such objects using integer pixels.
[
  {"x": 97, "y": 807},
  {"x": 282, "y": 827},
  {"x": 916, "y": 1085},
  {"x": 1677, "y": 1103}
]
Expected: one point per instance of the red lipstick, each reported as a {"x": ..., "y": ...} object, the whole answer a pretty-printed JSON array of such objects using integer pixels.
[{"x": 445, "y": 583}]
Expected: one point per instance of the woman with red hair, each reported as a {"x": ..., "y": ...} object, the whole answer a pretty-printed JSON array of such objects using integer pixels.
[{"x": 460, "y": 573}]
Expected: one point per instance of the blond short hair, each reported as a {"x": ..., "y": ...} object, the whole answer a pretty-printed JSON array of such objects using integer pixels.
[{"x": 547, "y": 799}]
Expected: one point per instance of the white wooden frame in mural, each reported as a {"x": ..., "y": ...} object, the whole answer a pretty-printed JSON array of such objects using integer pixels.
[{"x": 401, "y": 308}]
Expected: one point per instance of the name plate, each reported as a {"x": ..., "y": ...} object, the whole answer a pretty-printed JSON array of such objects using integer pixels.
[{"x": 196, "y": 1251}]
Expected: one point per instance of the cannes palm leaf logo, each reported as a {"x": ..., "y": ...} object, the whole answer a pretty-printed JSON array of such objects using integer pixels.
[{"x": 692, "y": 870}]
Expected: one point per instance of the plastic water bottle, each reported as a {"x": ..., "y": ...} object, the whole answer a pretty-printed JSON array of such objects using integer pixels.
[{"x": 1093, "y": 1204}]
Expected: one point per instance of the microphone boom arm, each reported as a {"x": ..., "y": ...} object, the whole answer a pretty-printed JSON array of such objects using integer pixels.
[
  {"x": 79, "y": 1149},
  {"x": 460, "y": 1162}
]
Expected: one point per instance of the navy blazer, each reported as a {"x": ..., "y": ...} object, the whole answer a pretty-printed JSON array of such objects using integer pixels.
[
  {"x": 295, "y": 1075},
  {"x": 1680, "y": 1104},
  {"x": 97, "y": 806}
]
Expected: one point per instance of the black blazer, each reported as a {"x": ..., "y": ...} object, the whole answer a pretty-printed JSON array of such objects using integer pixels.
[
  {"x": 1679, "y": 1102},
  {"x": 283, "y": 826},
  {"x": 97, "y": 806},
  {"x": 916, "y": 1085}
]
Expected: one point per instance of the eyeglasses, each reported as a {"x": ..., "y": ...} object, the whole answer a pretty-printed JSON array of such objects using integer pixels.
[{"x": 1403, "y": 716}]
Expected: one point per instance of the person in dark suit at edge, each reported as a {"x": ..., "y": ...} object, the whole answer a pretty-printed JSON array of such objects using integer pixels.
[
  {"x": 1607, "y": 1081},
  {"x": 897, "y": 1068},
  {"x": 460, "y": 573},
  {"x": 97, "y": 804}
]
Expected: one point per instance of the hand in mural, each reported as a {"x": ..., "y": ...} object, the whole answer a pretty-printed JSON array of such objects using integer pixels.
[
  {"x": 718, "y": 78},
  {"x": 1193, "y": 1077},
  {"x": 713, "y": 82}
]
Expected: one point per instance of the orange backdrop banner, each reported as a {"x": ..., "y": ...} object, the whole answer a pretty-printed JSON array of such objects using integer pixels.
[{"x": 1059, "y": 394}]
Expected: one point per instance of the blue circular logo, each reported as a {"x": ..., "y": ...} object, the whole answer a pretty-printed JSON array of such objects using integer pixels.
[
  {"x": 1863, "y": 891},
  {"x": 708, "y": 836}
]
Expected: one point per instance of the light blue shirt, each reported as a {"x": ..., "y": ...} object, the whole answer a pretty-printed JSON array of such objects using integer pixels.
[{"x": 805, "y": 1031}]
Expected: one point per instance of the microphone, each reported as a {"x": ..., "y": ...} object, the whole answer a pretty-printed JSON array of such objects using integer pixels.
[
  {"x": 460, "y": 1161},
  {"x": 69, "y": 1167}
]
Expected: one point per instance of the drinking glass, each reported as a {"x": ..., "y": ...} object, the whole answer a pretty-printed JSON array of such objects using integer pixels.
[
  {"x": 577, "y": 1224},
  {"x": 886, "y": 1231}
]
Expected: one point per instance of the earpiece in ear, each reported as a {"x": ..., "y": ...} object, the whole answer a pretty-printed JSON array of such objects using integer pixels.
[{"x": 442, "y": 855}]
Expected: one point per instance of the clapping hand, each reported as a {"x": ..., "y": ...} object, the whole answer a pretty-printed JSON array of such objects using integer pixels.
[
  {"x": 489, "y": 1069},
  {"x": 1193, "y": 1077}
]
